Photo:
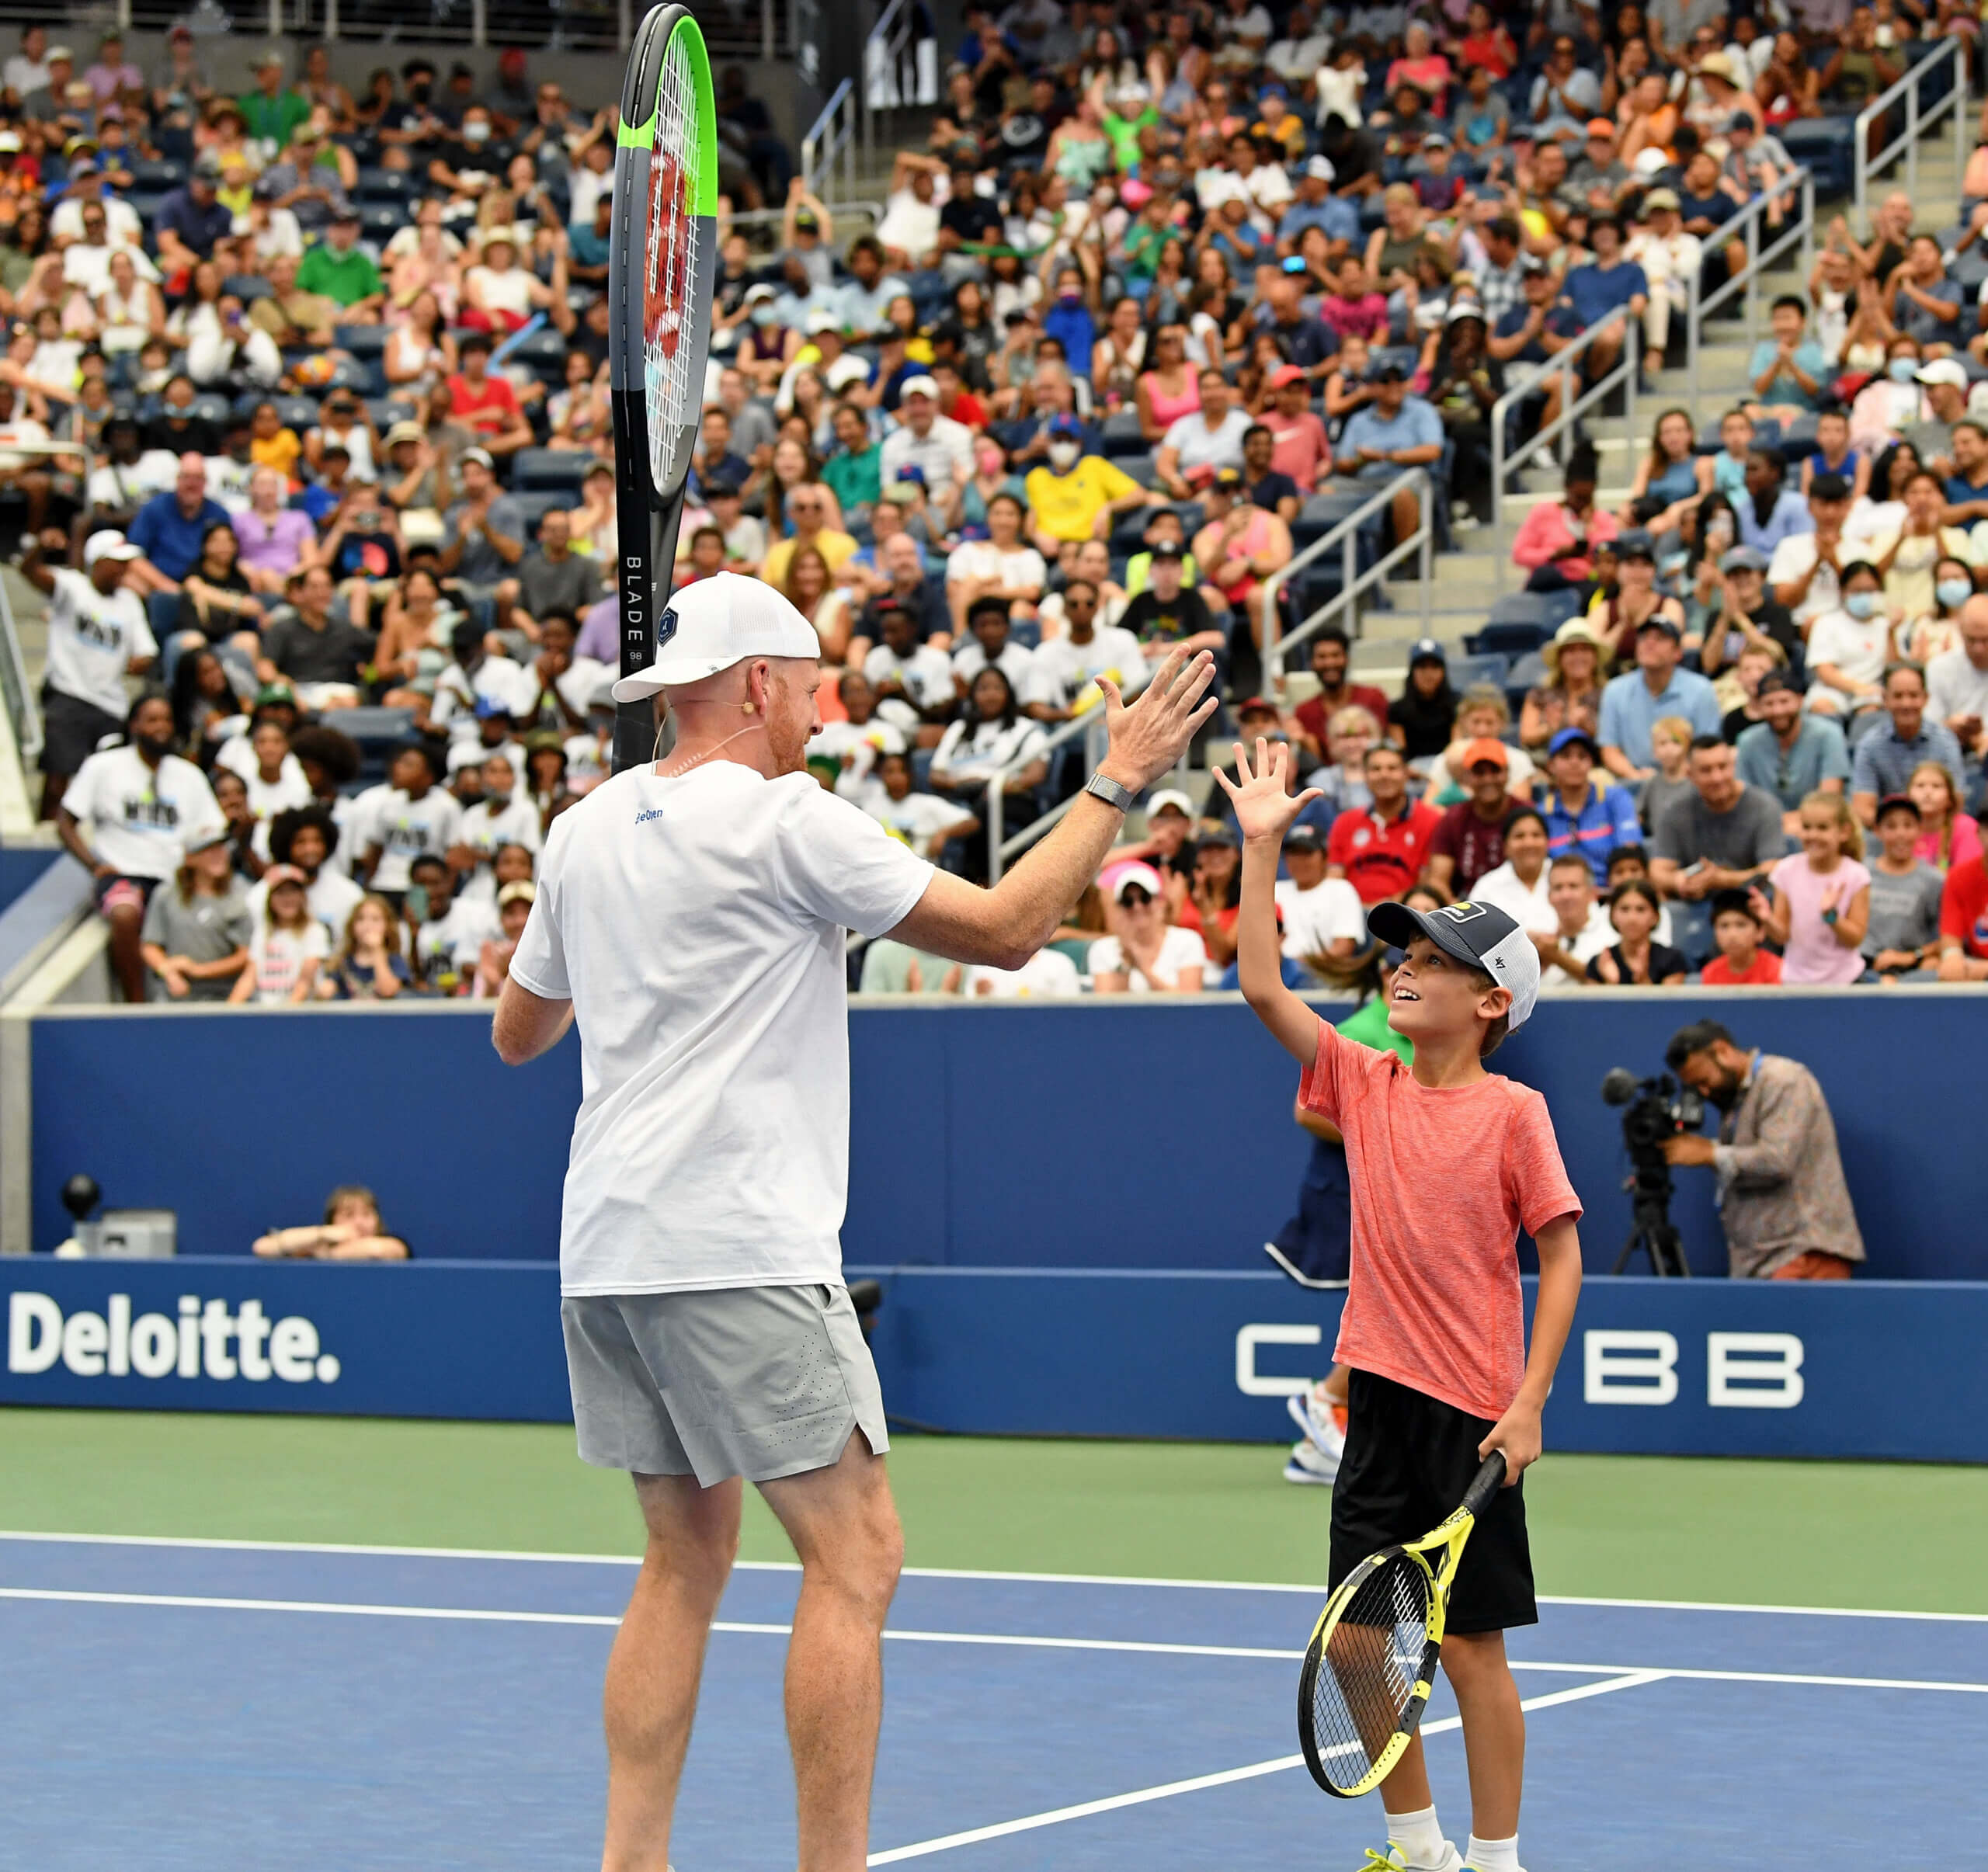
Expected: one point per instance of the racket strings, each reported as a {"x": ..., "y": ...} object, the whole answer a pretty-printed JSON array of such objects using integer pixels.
[
  {"x": 1366, "y": 1678},
  {"x": 674, "y": 232}
]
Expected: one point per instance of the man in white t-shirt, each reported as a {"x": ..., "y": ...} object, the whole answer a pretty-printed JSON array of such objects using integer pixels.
[
  {"x": 988, "y": 641},
  {"x": 98, "y": 634},
  {"x": 1322, "y": 915},
  {"x": 913, "y": 681},
  {"x": 128, "y": 817},
  {"x": 1073, "y": 661},
  {"x": 690, "y": 921},
  {"x": 925, "y": 440},
  {"x": 1585, "y": 930},
  {"x": 1803, "y": 573}
]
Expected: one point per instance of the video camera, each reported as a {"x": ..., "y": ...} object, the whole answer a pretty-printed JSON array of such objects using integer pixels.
[{"x": 1658, "y": 1109}]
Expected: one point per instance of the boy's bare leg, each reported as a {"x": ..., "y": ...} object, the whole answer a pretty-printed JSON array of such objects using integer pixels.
[
  {"x": 1493, "y": 1739},
  {"x": 1494, "y": 1730}
]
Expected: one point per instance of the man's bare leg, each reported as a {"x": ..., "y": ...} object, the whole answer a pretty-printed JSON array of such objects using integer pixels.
[
  {"x": 844, "y": 1525},
  {"x": 658, "y": 1659}
]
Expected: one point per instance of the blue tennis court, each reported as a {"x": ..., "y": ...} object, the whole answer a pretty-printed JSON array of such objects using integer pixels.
[{"x": 181, "y": 1707}]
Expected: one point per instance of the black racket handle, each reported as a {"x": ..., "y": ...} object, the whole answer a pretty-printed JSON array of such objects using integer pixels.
[{"x": 1490, "y": 1479}]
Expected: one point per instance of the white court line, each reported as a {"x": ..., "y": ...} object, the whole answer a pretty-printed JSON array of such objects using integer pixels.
[
  {"x": 1052, "y": 1579},
  {"x": 1016, "y": 1641},
  {"x": 1083, "y": 1810}
]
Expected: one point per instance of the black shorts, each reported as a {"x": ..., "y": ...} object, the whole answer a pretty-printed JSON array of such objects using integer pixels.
[
  {"x": 118, "y": 892},
  {"x": 71, "y": 730},
  {"x": 1409, "y": 1459}
]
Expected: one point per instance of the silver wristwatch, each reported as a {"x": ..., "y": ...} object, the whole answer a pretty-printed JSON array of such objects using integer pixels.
[{"x": 1110, "y": 792}]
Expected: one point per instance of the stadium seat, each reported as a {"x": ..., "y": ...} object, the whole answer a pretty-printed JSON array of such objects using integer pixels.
[
  {"x": 1139, "y": 467},
  {"x": 1122, "y": 435},
  {"x": 299, "y": 413},
  {"x": 1527, "y": 672},
  {"x": 378, "y": 731},
  {"x": 387, "y": 186},
  {"x": 1509, "y": 638},
  {"x": 1828, "y": 146},
  {"x": 157, "y": 176},
  {"x": 1485, "y": 667},
  {"x": 1533, "y": 608},
  {"x": 214, "y": 406},
  {"x": 562, "y": 469},
  {"x": 365, "y": 342},
  {"x": 537, "y": 503},
  {"x": 544, "y": 353},
  {"x": 380, "y": 222}
]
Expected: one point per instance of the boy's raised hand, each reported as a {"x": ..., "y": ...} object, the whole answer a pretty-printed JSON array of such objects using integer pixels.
[{"x": 1264, "y": 805}]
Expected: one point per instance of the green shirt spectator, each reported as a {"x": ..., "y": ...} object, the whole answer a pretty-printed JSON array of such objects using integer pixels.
[
  {"x": 342, "y": 273},
  {"x": 274, "y": 120},
  {"x": 856, "y": 480}
]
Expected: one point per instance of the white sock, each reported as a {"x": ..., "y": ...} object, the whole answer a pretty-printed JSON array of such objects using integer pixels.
[
  {"x": 1419, "y": 1836},
  {"x": 1492, "y": 1855}
]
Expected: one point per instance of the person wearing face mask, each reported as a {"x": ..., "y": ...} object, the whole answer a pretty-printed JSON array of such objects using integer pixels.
[
  {"x": 1077, "y": 496},
  {"x": 129, "y": 817},
  {"x": 1905, "y": 559},
  {"x": 1848, "y": 649},
  {"x": 1785, "y": 1204}
]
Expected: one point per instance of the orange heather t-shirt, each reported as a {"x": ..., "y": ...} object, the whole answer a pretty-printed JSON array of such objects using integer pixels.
[{"x": 1443, "y": 1181}]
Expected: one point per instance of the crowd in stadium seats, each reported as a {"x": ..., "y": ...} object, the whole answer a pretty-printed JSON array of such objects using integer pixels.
[{"x": 1164, "y": 297}]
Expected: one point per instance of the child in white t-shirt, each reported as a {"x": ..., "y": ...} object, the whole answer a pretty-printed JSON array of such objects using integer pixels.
[{"x": 286, "y": 947}]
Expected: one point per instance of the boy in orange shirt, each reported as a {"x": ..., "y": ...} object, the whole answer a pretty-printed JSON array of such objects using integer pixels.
[{"x": 1447, "y": 1163}]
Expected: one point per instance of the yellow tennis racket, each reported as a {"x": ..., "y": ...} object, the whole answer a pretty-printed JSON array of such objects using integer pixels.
[{"x": 1374, "y": 1652}]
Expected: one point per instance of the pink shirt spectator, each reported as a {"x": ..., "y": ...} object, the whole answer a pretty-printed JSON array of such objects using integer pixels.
[
  {"x": 1366, "y": 316},
  {"x": 1813, "y": 953},
  {"x": 277, "y": 544},
  {"x": 1545, "y": 532},
  {"x": 107, "y": 81},
  {"x": 1966, "y": 845},
  {"x": 1167, "y": 411},
  {"x": 1430, "y": 76}
]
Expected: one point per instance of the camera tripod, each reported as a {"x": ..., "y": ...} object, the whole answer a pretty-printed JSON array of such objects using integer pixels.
[{"x": 1651, "y": 1228}]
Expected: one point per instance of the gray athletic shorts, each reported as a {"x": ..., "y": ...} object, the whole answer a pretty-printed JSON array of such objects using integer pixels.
[{"x": 758, "y": 1382}]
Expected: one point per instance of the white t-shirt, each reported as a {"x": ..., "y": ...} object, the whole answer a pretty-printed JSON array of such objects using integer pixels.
[
  {"x": 1017, "y": 662},
  {"x": 137, "y": 820},
  {"x": 1179, "y": 951},
  {"x": 978, "y": 752},
  {"x": 1597, "y": 933},
  {"x": 92, "y": 639},
  {"x": 916, "y": 820},
  {"x": 1793, "y": 557},
  {"x": 860, "y": 745},
  {"x": 1199, "y": 446},
  {"x": 121, "y": 488},
  {"x": 277, "y": 956},
  {"x": 405, "y": 829},
  {"x": 697, "y": 924},
  {"x": 1532, "y": 910},
  {"x": 927, "y": 674},
  {"x": 460, "y": 934},
  {"x": 515, "y": 822},
  {"x": 1316, "y": 918},
  {"x": 268, "y": 798},
  {"x": 1856, "y": 647},
  {"x": 909, "y": 225},
  {"x": 1018, "y": 568},
  {"x": 1048, "y": 973},
  {"x": 1074, "y": 669},
  {"x": 331, "y": 896}
]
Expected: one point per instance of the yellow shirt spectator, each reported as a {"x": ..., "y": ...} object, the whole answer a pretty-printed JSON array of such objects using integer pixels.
[
  {"x": 1066, "y": 506},
  {"x": 835, "y": 547}
]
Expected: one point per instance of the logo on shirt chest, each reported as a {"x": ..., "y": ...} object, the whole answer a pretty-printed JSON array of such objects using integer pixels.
[{"x": 146, "y": 809}]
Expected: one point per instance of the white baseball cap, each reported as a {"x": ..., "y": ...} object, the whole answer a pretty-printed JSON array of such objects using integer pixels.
[
  {"x": 1944, "y": 370},
  {"x": 714, "y": 623},
  {"x": 109, "y": 545},
  {"x": 1170, "y": 797},
  {"x": 919, "y": 386}
]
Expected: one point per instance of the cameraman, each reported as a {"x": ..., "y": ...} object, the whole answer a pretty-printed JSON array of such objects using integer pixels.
[{"x": 1782, "y": 1197}]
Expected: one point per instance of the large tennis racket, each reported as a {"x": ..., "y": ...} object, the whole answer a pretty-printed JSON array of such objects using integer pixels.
[
  {"x": 662, "y": 266},
  {"x": 1372, "y": 1658}
]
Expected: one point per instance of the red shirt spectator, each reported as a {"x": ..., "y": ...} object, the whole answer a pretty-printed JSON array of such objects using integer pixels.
[
  {"x": 1380, "y": 851},
  {"x": 490, "y": 407},
  {"x": 1763, "y": 971},
  {"x": 1329, "y": 656},
  {"x": 1964, "y": 923}
]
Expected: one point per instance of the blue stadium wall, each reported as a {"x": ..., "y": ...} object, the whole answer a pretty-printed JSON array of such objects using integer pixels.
[{"x": 1110, "y": 1134}]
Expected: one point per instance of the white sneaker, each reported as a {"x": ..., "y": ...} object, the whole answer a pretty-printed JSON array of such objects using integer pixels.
[
  {"x": 1543, "y": 459},
  {"x": 1310, "y": 1464},
  {"x": 1315, "y": 1415},
  {"x": 1463, "y": 520}
]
